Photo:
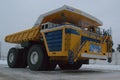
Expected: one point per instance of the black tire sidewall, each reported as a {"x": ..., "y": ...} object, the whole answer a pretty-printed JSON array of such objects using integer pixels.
[
  {"x": 13, "y": 64},
  {"x": 39, "y": 64}
]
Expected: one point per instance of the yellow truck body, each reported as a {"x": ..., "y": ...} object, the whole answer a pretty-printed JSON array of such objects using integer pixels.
[
  {"x": 26, "y": 35},
  {"x": 65, "y": 36}
]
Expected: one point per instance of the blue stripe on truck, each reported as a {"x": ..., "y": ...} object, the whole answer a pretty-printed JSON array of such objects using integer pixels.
[
  {"x": 54, "y": 40},
  {"x": 71, "y": 31},
  {"x": 84, "y": 38}
]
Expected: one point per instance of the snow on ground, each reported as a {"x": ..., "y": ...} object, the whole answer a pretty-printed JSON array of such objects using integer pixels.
[
  {"x": 88, "y": 66},
  {"x": 103, "y": 67},
  {"x": 3, "y": 62}
]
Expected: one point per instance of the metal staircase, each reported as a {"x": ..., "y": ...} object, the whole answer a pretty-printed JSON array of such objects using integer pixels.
[{"x": 78, "y": 51}]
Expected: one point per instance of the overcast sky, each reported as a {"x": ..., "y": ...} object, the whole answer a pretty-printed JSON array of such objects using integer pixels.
[{"x": 17, "y": 15}]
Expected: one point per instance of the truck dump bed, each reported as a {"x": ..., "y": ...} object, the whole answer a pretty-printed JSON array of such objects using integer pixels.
[
  {"x": 23, "y": 36},
  {"x": 58, "y": 16}
]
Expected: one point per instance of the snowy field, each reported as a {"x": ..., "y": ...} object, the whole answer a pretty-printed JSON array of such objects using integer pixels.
[
  {"x": 86, "y": 66},
  {"x": 4, "y": 62},
  {"x": 87, "y": 72},
  {"x": 102, "y": 67}
]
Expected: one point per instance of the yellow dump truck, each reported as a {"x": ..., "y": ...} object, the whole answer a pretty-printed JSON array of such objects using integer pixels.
[{"x": 66, "y": 36}]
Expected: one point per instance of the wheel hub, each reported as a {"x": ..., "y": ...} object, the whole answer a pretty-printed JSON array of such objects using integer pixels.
[
  {"x": 34, "y": 57},
  {"x": 11, "y": 57}
]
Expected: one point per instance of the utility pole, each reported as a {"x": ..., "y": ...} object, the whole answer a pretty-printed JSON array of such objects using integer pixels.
[
  {"x": 0, "y": 50},
  {"x": 116, "y": 60}
]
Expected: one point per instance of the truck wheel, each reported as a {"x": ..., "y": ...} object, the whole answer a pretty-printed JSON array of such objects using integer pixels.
[
  {"x": 36, "y": 58},
  {"x": 17, "y": 58},
  {"x": 68, "y": 66},
  {"x": 13, "y": 58}
]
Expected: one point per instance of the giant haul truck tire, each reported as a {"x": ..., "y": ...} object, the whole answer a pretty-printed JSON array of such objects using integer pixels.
[
  {"x": 12, "y": 58},
  {"x": 16, "y": 58},
  {"x": 36, "y": 58},
  {"x": 67, "y": 66}
]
